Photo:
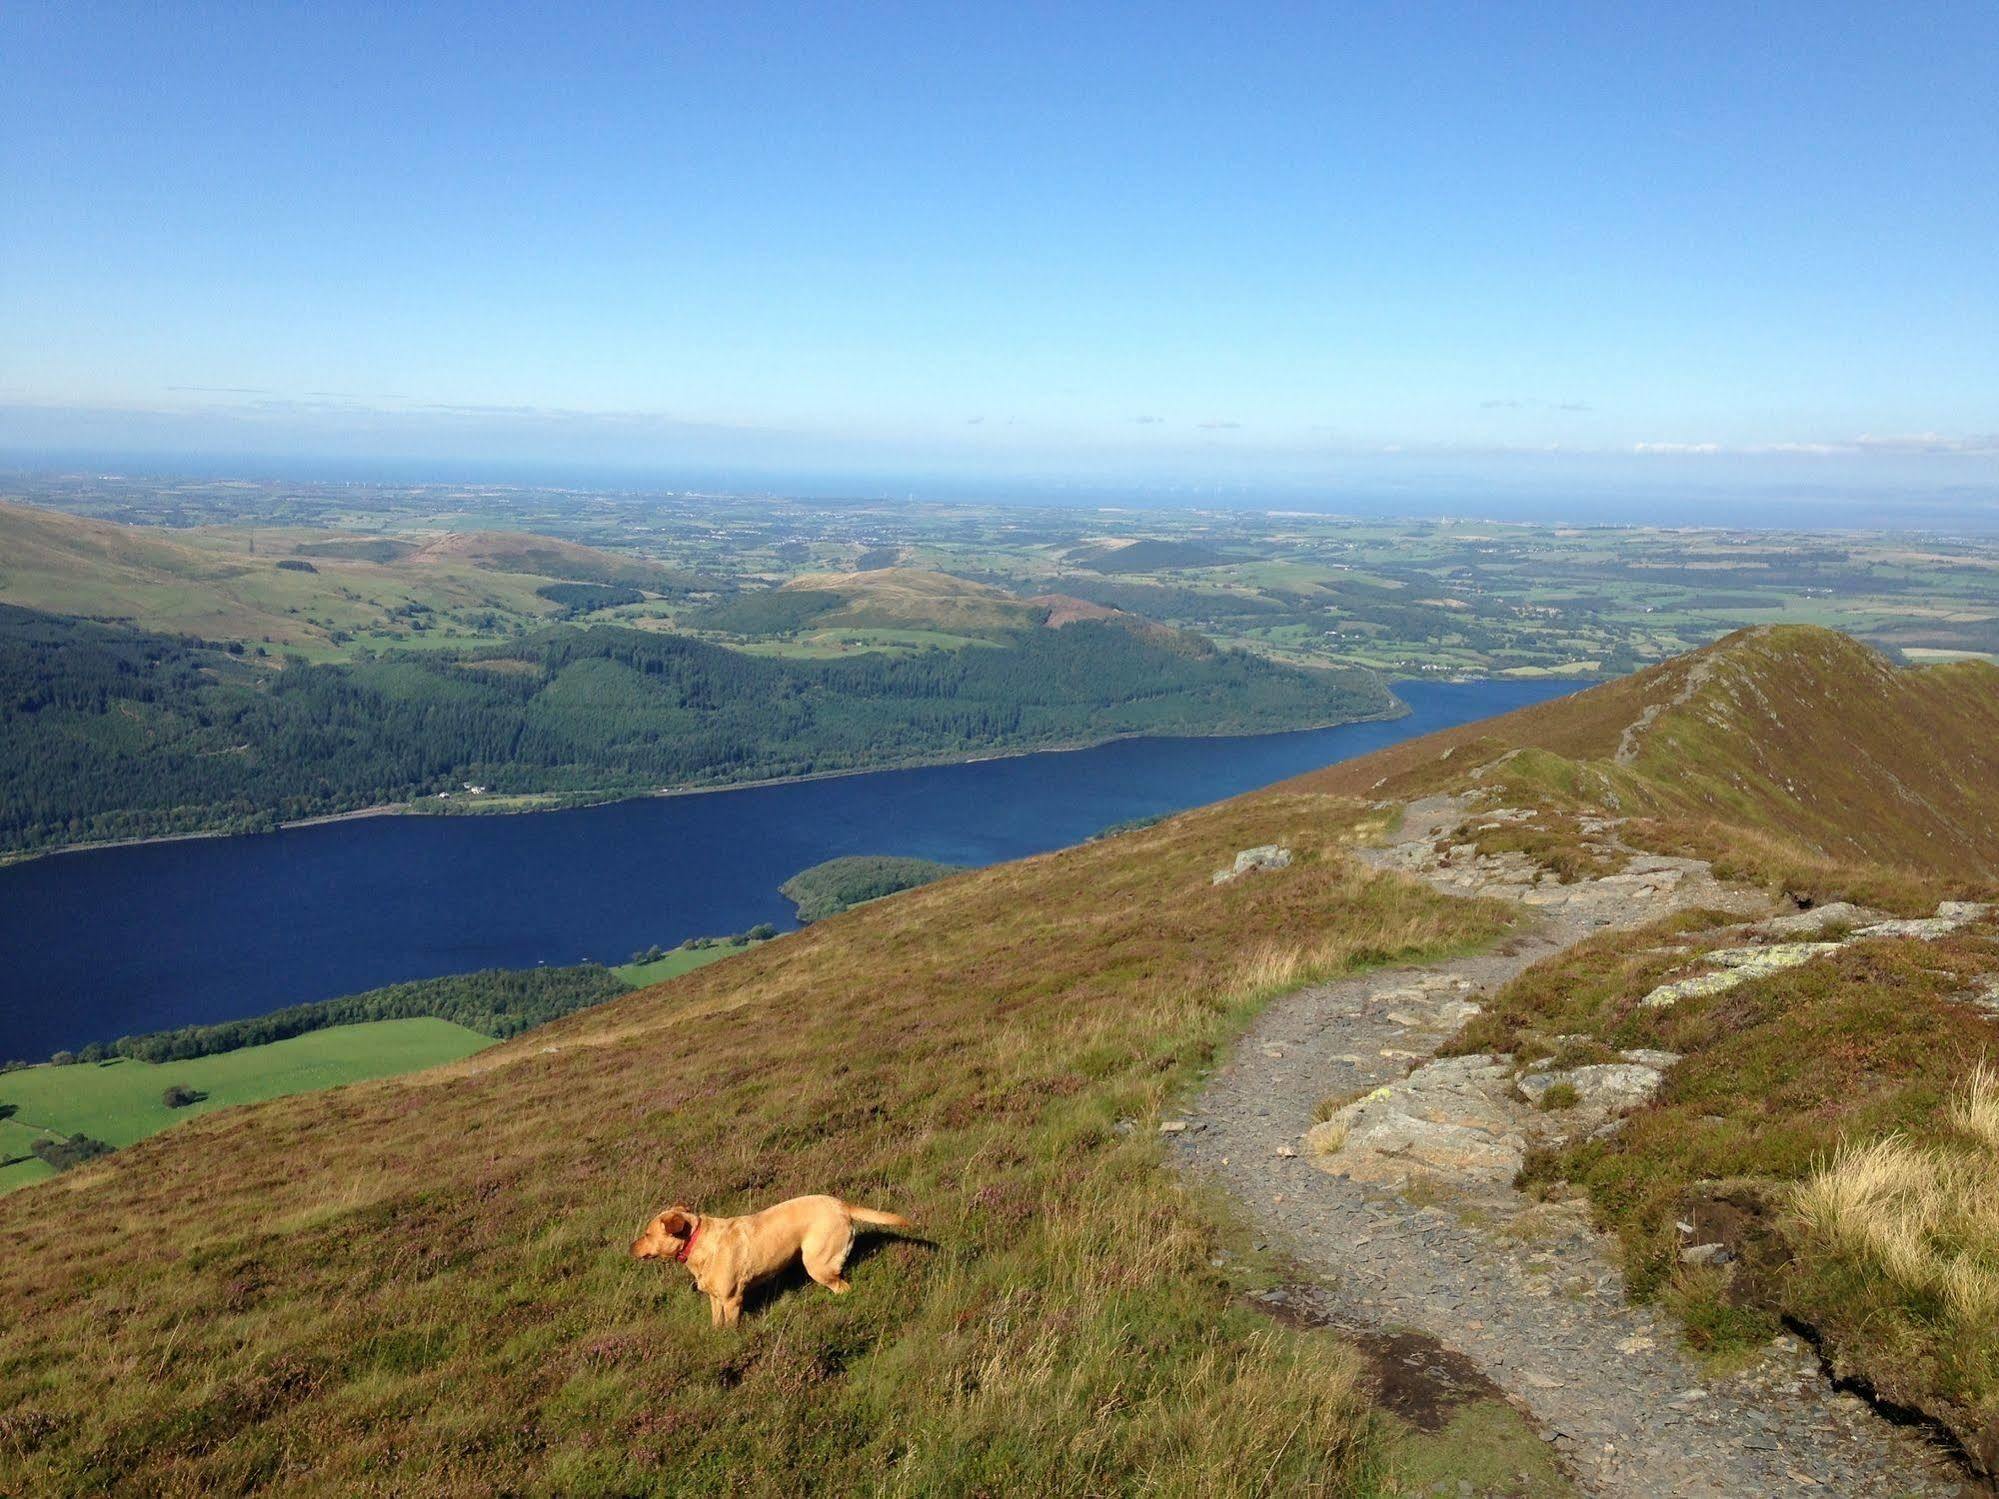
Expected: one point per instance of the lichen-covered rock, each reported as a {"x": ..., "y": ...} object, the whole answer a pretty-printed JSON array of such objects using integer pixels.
[
  {"x": 1772, "y": 959},
  {"x": 1950, "y": 916},
  {"x": 1265, "y": 856},
  {"x": 1818, "y": 918},
  {"x": 1606, "y": 1087},
  {"x": 1740, "y": 965},
  {"x": 1447, "y": 1118},
  {"x": 1646, "y": 1056}
]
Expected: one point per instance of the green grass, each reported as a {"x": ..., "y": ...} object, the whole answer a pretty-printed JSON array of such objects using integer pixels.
[
  {"x": 1486, "y": 1444},
  {"x": 674, "y": 964},
  {"x": 119, "y": 1101}
]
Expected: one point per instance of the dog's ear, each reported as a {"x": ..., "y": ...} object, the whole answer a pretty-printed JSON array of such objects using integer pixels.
[{"x": 674, "y": 1221}]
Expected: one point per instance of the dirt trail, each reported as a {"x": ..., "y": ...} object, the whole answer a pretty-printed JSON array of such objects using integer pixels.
[{"x": 1526, "y": 1291}]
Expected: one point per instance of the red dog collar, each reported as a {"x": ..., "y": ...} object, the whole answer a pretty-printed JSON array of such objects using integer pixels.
[{"x": 686, "y": 1249}]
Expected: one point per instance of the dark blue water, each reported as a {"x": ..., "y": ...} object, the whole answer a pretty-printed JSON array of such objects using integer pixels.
[{"x": 120, "y": 941}]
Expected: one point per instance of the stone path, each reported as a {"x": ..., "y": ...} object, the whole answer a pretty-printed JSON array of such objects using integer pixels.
[{"x": 1526, "y": 1291}]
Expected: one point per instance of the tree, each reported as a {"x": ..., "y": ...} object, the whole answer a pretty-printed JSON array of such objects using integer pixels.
[
  {"x": 179, "y": 1097},
  {"x": 63, "y": 1154}
]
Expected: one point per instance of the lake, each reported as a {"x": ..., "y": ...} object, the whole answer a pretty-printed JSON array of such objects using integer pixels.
[{"x": 118, "y": 941}]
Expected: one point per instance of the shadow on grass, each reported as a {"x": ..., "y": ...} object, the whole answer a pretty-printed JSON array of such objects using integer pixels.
[{"x": 794, "y": 1278}]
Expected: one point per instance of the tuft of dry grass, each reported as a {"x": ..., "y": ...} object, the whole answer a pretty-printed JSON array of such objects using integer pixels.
[
  {"x": 1922, "y": 1215},
  {"x": 1975, "y": 1110}
]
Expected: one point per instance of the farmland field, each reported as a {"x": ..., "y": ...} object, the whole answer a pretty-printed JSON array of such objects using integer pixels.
[{"x": 119, "y": 1101}]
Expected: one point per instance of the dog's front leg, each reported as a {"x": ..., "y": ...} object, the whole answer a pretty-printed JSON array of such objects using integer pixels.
[
  {"x": 714, "y": 1311},
  {"x": 732, "y": 1310}
]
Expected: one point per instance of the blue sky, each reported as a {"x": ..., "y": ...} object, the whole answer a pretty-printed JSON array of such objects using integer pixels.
[{"x": 1312, "y": 245}]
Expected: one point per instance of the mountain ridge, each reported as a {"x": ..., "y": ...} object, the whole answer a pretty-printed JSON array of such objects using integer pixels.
[{"x": 1904, "y": 761}]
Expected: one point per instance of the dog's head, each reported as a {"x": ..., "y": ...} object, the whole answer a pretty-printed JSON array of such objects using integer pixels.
[{"x": 666, "y": 1235}]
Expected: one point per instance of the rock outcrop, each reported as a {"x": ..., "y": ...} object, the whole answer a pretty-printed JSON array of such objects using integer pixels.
[{"x": 1265, "y": 856}]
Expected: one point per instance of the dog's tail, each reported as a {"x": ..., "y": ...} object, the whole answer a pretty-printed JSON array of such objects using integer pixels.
[{"x": 870, "y": 1215}]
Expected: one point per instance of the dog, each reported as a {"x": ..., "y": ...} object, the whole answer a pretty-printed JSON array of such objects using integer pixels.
[{"x": 726, "y": 1256}]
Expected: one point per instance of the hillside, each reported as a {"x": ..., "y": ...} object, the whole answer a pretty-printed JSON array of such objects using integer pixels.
[
  {"x": 543, "y": 557},
  {"x": 944, "y": 608},
  {"x": 1827, "y": 1122},
  {"x": 1147, "y": 555},
  {"x": 311, "y": 1309},
  {"x": 290, "y": 587},
  {"x": 114, "y": 733},
  {"x": 1001, "y": 1055},
  {"x": 1801, "y": 737},
  {"x": 910, "y": 598}
]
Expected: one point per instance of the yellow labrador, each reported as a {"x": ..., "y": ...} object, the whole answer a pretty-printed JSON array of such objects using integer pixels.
[{"x": 726, "y": 1256}]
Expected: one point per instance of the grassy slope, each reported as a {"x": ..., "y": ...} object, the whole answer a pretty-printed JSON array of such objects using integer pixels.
[
  {"x": 1800, "y": 737},
  {"x": 423, "y": 1283},
  {"x": 904, "y": 597},
  {"x": 1795, "y": 756},
  {"x": 119, "y": 1102},
  {"x": 209, "y": 583},
  {"x": 1780, "y": 1075}
]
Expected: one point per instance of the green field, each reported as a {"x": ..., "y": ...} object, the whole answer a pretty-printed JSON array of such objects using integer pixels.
[
  {"x": 673, "y": 965},
  {"x": 118, "y": 1102}
]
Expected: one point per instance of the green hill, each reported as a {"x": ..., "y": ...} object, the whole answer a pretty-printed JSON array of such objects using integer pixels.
[{"x": 107, "y": 732}]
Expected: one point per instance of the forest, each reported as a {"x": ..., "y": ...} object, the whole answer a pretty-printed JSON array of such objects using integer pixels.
[
  {"x": 108, "y": 732},
  {"x": 828, "y": 889}
]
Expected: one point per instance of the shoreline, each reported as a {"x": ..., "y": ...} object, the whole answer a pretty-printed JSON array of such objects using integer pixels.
[{"x": 590, "y": 799}]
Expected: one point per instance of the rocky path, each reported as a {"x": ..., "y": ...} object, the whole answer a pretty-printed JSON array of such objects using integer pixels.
[{"x": 1431, "y": 1237}]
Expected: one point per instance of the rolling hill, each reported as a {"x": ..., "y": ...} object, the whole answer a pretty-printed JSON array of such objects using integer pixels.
[
  {"x": 294, "y": 588},
  {"x": 1149, "y": 555},
  {"x": 545, "y": 557},
  {"x": 910, "y": 598},
  {"x": 945, "y": 607},
  {"x": 994, "y": 1056}
]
